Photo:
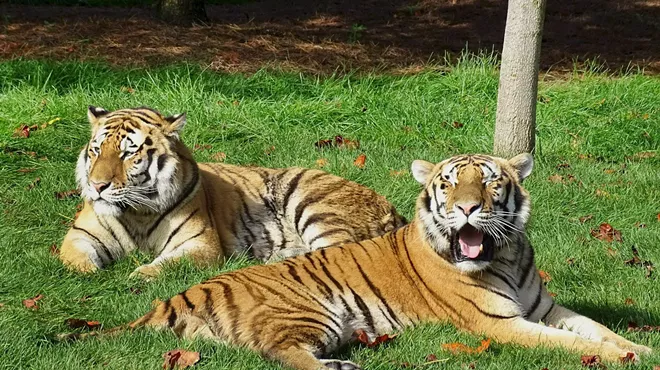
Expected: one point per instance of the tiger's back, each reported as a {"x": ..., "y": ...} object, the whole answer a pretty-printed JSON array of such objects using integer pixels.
[{"x": 279, "y": 213}]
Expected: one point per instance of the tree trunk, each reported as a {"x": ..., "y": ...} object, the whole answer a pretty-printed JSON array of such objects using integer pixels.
[
  {"x": 182, "y": 12},
  {"x": 515, "y": 121}
]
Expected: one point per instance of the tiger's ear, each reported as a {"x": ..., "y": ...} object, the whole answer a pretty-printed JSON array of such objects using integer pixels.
[
  {"x": 421, "y": 170},
  {"x": 94, "y": 114},
  {"x": 523, "y": 164},
  {"x": 176, "y": 123}
]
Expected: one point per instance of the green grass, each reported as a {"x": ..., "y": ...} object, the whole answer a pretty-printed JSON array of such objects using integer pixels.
[{"x": 396, "y": 119}]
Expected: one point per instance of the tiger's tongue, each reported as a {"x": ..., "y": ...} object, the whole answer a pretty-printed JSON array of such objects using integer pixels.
[{"x": 470, "y": 240}]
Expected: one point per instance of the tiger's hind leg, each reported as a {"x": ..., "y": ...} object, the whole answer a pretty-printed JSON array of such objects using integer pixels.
[{"x": 563, "y": 318}]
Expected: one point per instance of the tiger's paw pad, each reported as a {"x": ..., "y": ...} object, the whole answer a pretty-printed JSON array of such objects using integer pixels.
[
  {"x": 340, "y": 365},
  {"x": 145, "y": 272}
]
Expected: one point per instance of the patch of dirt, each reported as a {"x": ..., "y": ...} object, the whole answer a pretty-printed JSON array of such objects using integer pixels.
[{"x": 396, "y": 36}]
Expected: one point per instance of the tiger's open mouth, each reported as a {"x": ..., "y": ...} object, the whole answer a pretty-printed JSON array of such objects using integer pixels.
[{"x": 470, "y": 244}]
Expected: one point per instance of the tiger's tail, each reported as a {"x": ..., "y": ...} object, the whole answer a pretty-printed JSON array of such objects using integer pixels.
[{"x": 159, "y": 317}]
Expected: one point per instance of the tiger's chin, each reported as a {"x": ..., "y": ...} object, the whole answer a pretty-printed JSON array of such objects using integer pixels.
[
  {"x": 471, "y": 249},
  {"x": 104, "y": 208}
]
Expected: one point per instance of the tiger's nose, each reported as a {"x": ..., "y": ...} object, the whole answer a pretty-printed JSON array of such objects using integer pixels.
[
  {"x": 468, "y": 208},
  {"x": 100, "y": 186}
]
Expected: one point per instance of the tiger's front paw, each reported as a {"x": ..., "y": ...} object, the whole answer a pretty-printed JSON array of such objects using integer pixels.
[
  {"x": 340, "y": 365},
  {"x": 146, "y": 272},
  {"x": 77, "y": 260},
  {"x": 629, "y": 346}
]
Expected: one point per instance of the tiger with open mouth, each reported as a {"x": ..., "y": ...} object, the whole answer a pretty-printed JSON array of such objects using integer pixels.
[{"x": 464, "y": 259}]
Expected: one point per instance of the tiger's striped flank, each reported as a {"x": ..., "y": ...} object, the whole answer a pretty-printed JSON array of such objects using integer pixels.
[
  {"x": 144, "y": 191},
  {"x": 465, "y": 259}
]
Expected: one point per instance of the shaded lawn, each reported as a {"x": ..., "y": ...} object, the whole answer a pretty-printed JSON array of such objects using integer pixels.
[{"x": 589, "y": 127}]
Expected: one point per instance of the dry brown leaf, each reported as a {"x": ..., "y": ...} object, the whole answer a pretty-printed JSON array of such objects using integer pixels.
[
  {"x": 431, "y": 357},
  {"x": 399, "y": 173},
  {"x": 179, "y": 359},
  {"x": 545, "y": 276},
  {"x": 26, "y": 170},
  {"x": 563, "y": 166},
  {"x": 551, "y": 294},
  {"x": 32, "y": 302},
  {"x": 360, "y": 161},
  {"x": 586, "y": 218},
  {"x": 54, "y": 250},
  {"x": 219, "y": 157},
  {"x": 457, "y": 124},
  {"x": 198, "y": 147},
  {"x": 23, "y": 132},
  {"x": 361, "y": 336},
  {"x": 321, "y": 162},
  {"x": 591, "y": 361},
  {"x": 270, "y": 150},
  {"x": 61, "y": 195},
  {"x": 640, "y": 225},
  {"x": 657, "y": 367},
  {"x": 628, "y": 358},
  {"x": 609, "y": 171},
  {"x": 34, "y": 183},
  {"x": 641, "y": 155},
  {"x": 82, "y": 324},
  {"x": 337, "y": 142},
  {"x": 136, "y": 291},
  {"x": 127, "y": 89},
  {"x": 570, "y": 261},
  {"x": 235, "y": 103},
  {"x": 658, "y": 217},
  {"x": 602, "y": 193},
  {"x": 457, "y": 348},
  {"x": 606, "y": 232},
  {"x": 633, "y": 327},
  {"x": 557, "y": 179},
  {"x": 629, "y": 301}
]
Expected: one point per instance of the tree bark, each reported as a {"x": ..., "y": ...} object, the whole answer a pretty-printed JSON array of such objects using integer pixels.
[
  {"x": 515, "y": 121},
  {"x": 182, "y": 12}
]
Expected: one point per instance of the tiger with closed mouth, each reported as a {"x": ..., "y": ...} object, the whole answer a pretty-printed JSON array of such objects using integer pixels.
[
  {"x": 464, "y": 259},
  {"x": 144, "y": 191}
]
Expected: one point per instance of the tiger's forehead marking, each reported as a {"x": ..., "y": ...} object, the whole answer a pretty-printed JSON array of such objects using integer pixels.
[
  {"x": 120, "y": 132},
  {"x": 451, "y": 169}
]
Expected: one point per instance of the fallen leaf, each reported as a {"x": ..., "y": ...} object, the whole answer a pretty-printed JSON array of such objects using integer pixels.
[
  {"x": 32, "y": 302},
  {"x": 656, "y": 367},
  {"x": 269, "y": 150},
  {"x": 551, "y": 294},
  {"x": 136, "y": 291},
  {"x": 641, "y": 155},
  {"x": 545, "y": 277},
  {"x": 563, "y": 166},
  {"x": 633, "y": 327},
  {"x": 179, "y": 359},
  {"x": 456, "y": 124},
  {"x": 82, "y": 324},
  {"x": 23, "y": 131},
  {"x": 636, "y": 261},
  {"x": 606, "y": 232},
  {"x": 26, "y": 170},
  {"x": 407, "y": 129},
  {"x": 628, "y": 358},
  {"x": 602, "y": 193},
  {"x": 399, "y": 173},
  {"x": 586, "y": 218},
  {"x": 360, "y": 161},
  {"x": 54, "y": 250},
  {"x": 361, "y": 336},
  {"x": 591, "y": 361},
  {"x": 431, "y": 357},
  {"x": 61, "y": 195},
  {"x": 219, "y": 157},
  {"x": 557, "y": 179},
  {"x": 2, "y": 305},
  {"x": 338, "y": 142},
  {"x": 658, "y": 217},
  {"x": 321, "y": 162},
  {"x": 609, "y": 171},
  {"x": 235, "y": 103},
  {"x": 640, "y": 225},
  {"x": 629, "y": 302},
  {"x": 198, "y": 147},
  {"x": 34, "y": 183},
  {"x": 457, "y": 348},
  {"x": 570, "y": 261},
  {"x": 127, "y": 89}
]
